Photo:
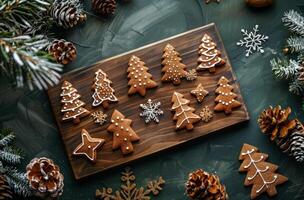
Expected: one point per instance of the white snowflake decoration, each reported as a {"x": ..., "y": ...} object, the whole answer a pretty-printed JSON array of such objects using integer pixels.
[
  {"x": 151, "y": 111},
  {"x": 252, "y": 41}
]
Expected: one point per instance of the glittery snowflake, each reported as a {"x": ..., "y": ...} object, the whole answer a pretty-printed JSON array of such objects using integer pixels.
[
  {"x": 151, "y": 111},
  {"x": 191, "y": 75},
  {"x": 99, "y": 117},
  {"x": 252, "y": 41}
]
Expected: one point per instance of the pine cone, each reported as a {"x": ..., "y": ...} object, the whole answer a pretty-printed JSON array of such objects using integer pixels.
[
  {"x": 5, "y": 190},
  {"x": 204, "y": 186},
  {"x": 274, "y": 122},
  {"x": 44, "y": 178},
  {"x": 67, "y": 13},
  {"x": 63, "y": 51},
  {"x": 104, "y": 7}
]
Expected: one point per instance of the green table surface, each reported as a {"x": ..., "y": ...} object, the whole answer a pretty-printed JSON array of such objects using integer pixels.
[{"x": 140, "y": 22}]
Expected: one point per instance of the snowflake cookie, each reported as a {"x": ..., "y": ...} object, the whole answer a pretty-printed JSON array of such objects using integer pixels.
[
  {"x": 151, "y": 111},
  {"x": 99, "y": 117},
  {"x": 206, "y": 114},
  {"x": 252, "y": 41}
]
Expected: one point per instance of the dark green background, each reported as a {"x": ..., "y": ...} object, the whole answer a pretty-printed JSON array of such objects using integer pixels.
[{"x": 140, "y": 22}]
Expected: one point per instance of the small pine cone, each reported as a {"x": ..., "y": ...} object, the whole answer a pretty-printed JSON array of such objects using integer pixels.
[
  {"x": 63, "y": 51},
  {"x": 5, "y": 190},
  {"x": 104, "y": 7},
  {"x": 67, "y": 13},
  {"x": 44, "y": 178},
  {"x": 274, "y": 122},
  {"x": 204, "y": 186}
]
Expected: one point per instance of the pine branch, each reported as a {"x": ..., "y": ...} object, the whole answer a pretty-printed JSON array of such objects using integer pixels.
[
  {"x": 297, "y": 87},
  {"x": 296, "y": 44},
  {"x": 294, "y": 21},
  {"x": 9, "y": 156},
  {"x": 18, "y": 182},
  {"x": 6, "y": 137},
  {"x": 24, "y": 59},
  {"x": 283, "y": 69},
  {"x": 18, "y": 15}
]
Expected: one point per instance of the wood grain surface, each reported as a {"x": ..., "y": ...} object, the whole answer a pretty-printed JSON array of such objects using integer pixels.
[{"x": 153, "y": 137}]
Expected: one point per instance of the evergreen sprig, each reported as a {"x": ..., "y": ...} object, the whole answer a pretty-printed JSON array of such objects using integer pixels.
[
  {"x": 295, "y": 44},
  {"x": 284, "y": 69},
  {"x": 294, "y": 21},
  {"x": 9, "y": 157},
  {"x": 24, "y": 58},
  {"x": 19, "y": 15}
]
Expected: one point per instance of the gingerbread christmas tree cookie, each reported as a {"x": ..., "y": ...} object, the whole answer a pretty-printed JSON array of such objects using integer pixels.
[
  {"x": 199, "y": 92},
  {"x": 139, "y": 78},
  {"x": 260, "y": 174},
  {"x": 123, "y": 134},
  {"x": 209, "y": 56},
  {"x": 184, "y": 116},
  {"x": 103, "y": 92},
  {"x": 174, "y": 70},
  {"x": 72, "y": 106},
  {"x": 226, "y": 99},
  {"x": 88, "y": 146}
]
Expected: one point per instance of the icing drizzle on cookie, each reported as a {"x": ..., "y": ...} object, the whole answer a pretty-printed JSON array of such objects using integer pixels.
[{"x": 259, "y": 172}]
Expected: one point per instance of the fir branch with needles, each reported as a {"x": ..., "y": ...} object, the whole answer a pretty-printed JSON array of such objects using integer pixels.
[
  {"x": 295, "y": 44},
  {"x": 284, "y": 69},
  {"x": 19, "y": 15},
  {"x": 24, "y": 59},
  {"x": 10, "y": 157},
  {"x": 294, "y": 22}
]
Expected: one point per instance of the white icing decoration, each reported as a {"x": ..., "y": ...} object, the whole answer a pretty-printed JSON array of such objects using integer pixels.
[{"x": 258, "y": 171}]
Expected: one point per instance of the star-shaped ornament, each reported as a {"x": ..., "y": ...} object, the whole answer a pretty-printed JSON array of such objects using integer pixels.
[
  {"x": 199, "y": 92},
  {"x": 88, "y": 146}
]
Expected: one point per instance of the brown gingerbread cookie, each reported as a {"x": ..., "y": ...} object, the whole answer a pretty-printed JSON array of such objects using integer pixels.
[
  {"x": 199, "y": 92},
  {"x": 184, "y": 116},
  {"x": 174, "y": 70},
  {"x": 103, "y": 92},
  {"x": 123, "y": 134},
  {"x": 226, "y": 99},
  {"x": 72, "y": 106},
  {"x": 209, "y": 56},
  {"x": 260, "y": 174},
  {"x": 88, "y": 146},
  {"x": 139, "y": 78}
]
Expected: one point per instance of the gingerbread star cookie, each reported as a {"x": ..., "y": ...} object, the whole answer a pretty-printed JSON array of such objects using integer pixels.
[
  {"x": 123, "y": 134},
  {"x": 209, "y": 56},
  {"x": 88, "y": 146},
  {"x": 103, "y": 92},
  {"x": 260, "y": 174},
  {"x": 139, "y": 78},
  {"x": 199, "y": 92}
]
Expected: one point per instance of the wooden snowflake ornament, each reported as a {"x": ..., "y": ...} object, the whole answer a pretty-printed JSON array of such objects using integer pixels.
[
  {"x": 260, "y": 174},
  {"x": 184, "y": 116},
  {"x": 88, "y": 146},
  {"x": 72, "y": 106},
  {"x": 103, "y": 92},
  {"x": 123, "y": 134},
  {"x": 209, "y": 56},
  {"x": 173, "y": 69},
  {"x": 199, "y": 92},
  {"x": 139, "y": 78},
  {"x": 226, "y": 99}
]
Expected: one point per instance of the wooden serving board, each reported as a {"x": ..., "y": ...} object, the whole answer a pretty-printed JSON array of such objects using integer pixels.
[{"x": 153, "y": 137}]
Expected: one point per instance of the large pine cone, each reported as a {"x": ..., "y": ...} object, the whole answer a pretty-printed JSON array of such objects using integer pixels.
[
  {"x": 104, "y": 7},
  {"x": 204, "y": 186},
  {"x": 294, "y": 144},
  {"x": 44, "y": 178},
  {"x": 275, "y": 122},
  {"x": 63, "y": 51},
  {"x": 67, "y": 13},
  {"x": 5, "y": 190}
]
